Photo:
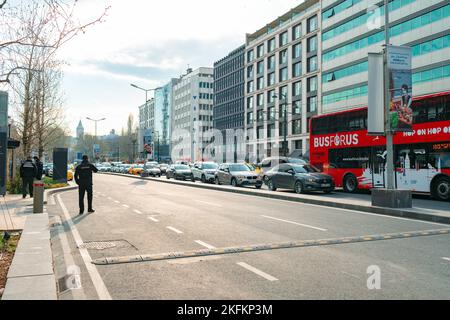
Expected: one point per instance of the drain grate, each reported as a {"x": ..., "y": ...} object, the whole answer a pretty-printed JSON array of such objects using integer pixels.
[{"x": 103, "y": 245}]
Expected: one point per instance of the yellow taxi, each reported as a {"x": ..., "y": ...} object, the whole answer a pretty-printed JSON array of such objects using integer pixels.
[
  {"x": 70, "y": 172},
  {"x": 136, "y": 169}
]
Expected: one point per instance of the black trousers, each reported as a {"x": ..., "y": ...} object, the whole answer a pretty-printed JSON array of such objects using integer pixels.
[
  {"x": 82, "y": 189},
  {"x": 27, "y": 185}
]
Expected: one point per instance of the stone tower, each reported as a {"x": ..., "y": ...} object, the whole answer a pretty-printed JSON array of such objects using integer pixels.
[{"x": 80, "y": 130}]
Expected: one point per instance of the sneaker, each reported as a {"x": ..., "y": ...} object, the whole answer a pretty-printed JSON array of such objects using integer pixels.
[{"x": 91, "y": 211}]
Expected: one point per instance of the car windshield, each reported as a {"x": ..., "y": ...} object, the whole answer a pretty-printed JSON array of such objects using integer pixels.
[
  {"x": 305, "y": 168},
  {"x": 299, "y": 161},
  {"x": 209, "y": 166},
  {"x": 180, "y": 167},
  {"x": 239, "y": 167}
]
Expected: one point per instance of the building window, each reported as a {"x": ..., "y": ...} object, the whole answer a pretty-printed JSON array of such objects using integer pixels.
[
  {"x": 297, "y": 107},
  {"x": 271, "y": 113},
  {"x": 312, "y": 44},
  {"x": 250, "y": 118},
  {"x": 271, "y": 96},
  {"x": 312, "y": 64},
  {"x": 271, "y": 62},
  {"x": 297, "y": 126},
  {"x": 283, "y": 39},
  {"x": 283, "y": 74},
  {"x": 250, "y": 56},
  {"x": 297, "y": 69},
  {"x": 249, "y": 86},
  {"x": 260, "y": 115},
  {"x": 260, "y": 100},
  {"x": 260, "y": 83},
  {"x": 271, "y": 130},
  {"x": 312, "y": 24},
  {"x": 297, "y": 89},
  {"x": 260, "y": 67},
  {"x": 260, "y": 132},
  {"x": 271, "y": 45},
  {"x": 250, "y": 71},
  {"x": 283, "y": 92},
  {"x": 260, "y": 51},
  {"x": 250, "y": 103},
  {"x": 271, "y": 79},
  {"x": 312, "y": 104},
  {"x": 297, "y": 32},
  {"x": 283, "y": 56},
  {"x": 312, "y": 84},
  {"x": 297, "y": 51}
]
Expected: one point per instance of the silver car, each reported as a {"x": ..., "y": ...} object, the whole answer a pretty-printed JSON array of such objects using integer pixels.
[
  {"x": 237, "y": 174},
  {"x": 205, "y": 171}
]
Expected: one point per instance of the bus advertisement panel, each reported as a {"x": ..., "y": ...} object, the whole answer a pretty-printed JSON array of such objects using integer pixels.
[{"x": 341, "y": 147}]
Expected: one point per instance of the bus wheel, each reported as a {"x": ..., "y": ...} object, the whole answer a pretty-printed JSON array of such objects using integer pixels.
[
  {"x": 441, "y": 189},
  {"x": 350, "y": 183}
]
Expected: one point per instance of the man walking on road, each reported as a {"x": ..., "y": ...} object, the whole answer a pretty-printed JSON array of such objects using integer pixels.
[
  {"x": 83, "y": 178},
  {"x": 39, "y": 167},
  {"x": 28, "y": 172}
]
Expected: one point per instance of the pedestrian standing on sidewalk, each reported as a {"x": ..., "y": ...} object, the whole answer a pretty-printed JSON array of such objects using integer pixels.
[
  {"x": 28, "y": 172},
  {"x": 83, "y": 178},
  {"x": 39, "y": 167}
]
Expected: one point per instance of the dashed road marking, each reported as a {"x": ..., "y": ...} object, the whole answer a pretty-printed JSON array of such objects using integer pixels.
[
  {"x": 270, "y": 246},
  {"x": 209, "y": 203},
  {"x": 175, "y": 230},
  {"x": 257, "y": 271},
  {"x": 126, "y": 206},
  {"x": 137, "y": 211},
  {"x": 446, "y": 259},
  {"x": 296, "y": 223},
  {"x": 204, "y": 244},
  {"x": 117, "y": 201},
  {"x": 153, "y": 219}
]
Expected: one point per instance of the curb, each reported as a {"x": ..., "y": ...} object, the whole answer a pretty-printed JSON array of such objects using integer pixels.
[
  {"x": 50, "y": 192},
  {"x": 403, "y": 213}
]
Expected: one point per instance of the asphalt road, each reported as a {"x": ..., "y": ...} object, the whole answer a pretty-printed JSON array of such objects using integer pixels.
[{"x": 147, "y": 217}]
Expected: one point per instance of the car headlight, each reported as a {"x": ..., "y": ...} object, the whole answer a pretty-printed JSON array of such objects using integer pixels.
[{"x": 311, "y": 180}]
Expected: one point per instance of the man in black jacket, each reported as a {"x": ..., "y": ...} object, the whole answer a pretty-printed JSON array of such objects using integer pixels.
[
  {"x": 28, "y": 172},
  {"x": 39, "y": 167},
  {"x": 83, "y": 178}
]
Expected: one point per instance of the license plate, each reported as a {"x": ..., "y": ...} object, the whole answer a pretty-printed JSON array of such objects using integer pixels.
[{"x": 326, "y": 185}]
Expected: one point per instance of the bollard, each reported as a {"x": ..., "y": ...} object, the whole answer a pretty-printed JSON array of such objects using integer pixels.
[{"x": 38, "y": 197}]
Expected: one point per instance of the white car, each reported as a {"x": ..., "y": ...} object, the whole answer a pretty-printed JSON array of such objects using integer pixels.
[{"x": 205, "y": 171}]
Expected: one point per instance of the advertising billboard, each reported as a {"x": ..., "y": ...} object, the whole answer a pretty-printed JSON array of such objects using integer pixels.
[
  {"x": 376, "y": 115},
  {"x": 3, "y": 140},
  {"x": 399, "y": 60},
  {"x": 148, "y": 141}
]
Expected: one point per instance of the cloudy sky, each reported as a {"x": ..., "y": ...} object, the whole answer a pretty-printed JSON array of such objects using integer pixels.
[{"x": 147, "y": 42}]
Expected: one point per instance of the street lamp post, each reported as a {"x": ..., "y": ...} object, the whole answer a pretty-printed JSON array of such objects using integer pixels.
[{"x": 95, "y": 137}]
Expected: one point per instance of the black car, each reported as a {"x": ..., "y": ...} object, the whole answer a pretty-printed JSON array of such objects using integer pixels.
[
  {"x": 300, "y": 178},
  {"x": 180, "y": 172}
]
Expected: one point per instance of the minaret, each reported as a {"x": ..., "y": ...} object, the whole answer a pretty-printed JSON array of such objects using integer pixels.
[{"x": 80, "y": 130}]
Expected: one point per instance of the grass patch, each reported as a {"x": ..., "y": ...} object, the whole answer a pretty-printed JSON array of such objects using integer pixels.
[
  {"x": 9, "y": 246},
  {"x": 49, "y": 183}
]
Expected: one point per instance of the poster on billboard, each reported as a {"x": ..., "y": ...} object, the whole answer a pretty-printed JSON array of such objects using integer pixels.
[
  {"x": 97, "y": 151},
  {"x": 376, "y": 115},
  {"x": 399, "y": 59},
  {"x": 148, "y": 140}
]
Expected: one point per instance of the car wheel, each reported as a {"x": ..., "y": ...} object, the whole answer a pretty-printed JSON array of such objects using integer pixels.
[
  {"x": 217, "y": 181},
  {"x": 167, "y": 176},
  {"x": 193, "y": 179},
  {"x": 265, "y": 179},
  {"x": 298, "y": 188},
  {"x": 271, "y": 186},
  {"x": 203, "y": 179},
  {"x": 441, "y": 189},
  {"x": 258, "y": 186},
  {"x": 350, "y": 183},
  {"x": 328, "y": 191},
  {"x": 234, "y": 182}
]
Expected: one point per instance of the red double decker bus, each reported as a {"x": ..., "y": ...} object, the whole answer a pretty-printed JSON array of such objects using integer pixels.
[{"x": 341, "y": 147}]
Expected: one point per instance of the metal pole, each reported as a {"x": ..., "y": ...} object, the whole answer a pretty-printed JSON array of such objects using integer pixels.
[
  {"x": 285, "y": 130},
  {"x": 390, "y": 176}
]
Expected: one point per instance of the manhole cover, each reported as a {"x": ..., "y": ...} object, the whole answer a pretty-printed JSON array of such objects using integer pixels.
[{"x": 103, "y": 245}]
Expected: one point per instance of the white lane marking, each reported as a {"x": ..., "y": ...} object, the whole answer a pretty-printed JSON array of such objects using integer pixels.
[
  {"x": 125, "y": 206},
  {"x": 296, "y": 223},
  {"x": 109, "y": 198},
  {"x": 116, "y": 201},
  {"x": 153, "y": 219},
  {"x": 174, "y": 230},
  {"x": 204, "y": 244},
  {"x": 446, "y": 259},
  {"x": 52, "y": 200},
  {"x": 209, "y": 203},
  {"x": 257, "y": 271},
  {"x": 97, "y": 280},
  {"x": 137, "y": 211}
]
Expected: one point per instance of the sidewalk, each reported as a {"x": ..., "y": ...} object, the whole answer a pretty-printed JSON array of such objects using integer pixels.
[
  {"x": 14, "y": 214},
  {"x": 423, "y": 209}
]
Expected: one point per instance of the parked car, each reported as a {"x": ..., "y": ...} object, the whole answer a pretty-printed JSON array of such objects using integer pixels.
[
  {"x": 269, "y": 163},
  {"x": 300, "y": 178},
  {"x": 47, "y": 167},
  {"x": 124, "y": 168},
  {"x": 136, "y": 169},
  {"x": 180, "y": 172},
  {"x": 237, "y": 174},
  {"x": 205, "y": 171},
  {"x": 153, "y": 170}
]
